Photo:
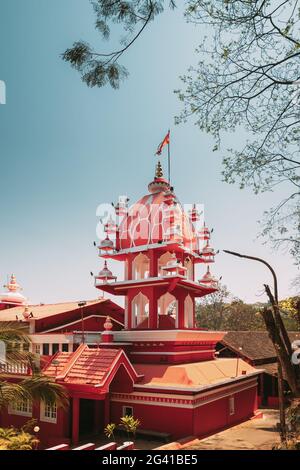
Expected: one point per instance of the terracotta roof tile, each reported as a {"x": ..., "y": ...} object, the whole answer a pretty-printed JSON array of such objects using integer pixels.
[
  {"x": 256, "y": 345},
  {"x": 87, "y": 366}
]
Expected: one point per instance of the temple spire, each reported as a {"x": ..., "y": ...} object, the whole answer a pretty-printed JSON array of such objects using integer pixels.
[
  {"x": 159, "y": 183},
  {"x": 159, "y": 171}
]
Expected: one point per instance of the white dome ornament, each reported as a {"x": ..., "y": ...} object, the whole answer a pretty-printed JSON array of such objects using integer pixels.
[
  {"x": 13, "y": 296},
  {"x": 105, "y": 275},
  {"x": 208, "y": 279},
  {"x": 106, "y": 245}
]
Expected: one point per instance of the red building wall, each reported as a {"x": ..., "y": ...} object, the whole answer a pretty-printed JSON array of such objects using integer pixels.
[
  {"x": 216, "y": 415},
  {"x": 50, "y": 434},
  {"x": 182, "y": 422},
  {"x": 176, "y": 421}
]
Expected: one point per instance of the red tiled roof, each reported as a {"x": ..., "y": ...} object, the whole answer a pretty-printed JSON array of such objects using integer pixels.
[
  {"x": 253, "y": 345},
  {"x": 84, "y": 366}
]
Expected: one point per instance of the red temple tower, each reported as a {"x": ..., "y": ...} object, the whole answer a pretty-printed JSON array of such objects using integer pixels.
[{"x": 160, "y": 246}]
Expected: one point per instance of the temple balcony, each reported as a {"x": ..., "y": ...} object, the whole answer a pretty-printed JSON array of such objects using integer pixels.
[
  {"x": 168, "y": 282},
  {"x": 16, "y": 368}
]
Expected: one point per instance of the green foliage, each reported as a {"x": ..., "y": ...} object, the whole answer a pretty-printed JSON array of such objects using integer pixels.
[
  {"x": 127, "y": 423},
  {"x": 248, "y": 77},
  {"x": 14, "y": 439},
  {"x": 219, "y": 311},
  {"x": 130, "y": 424},
  {"x": 109, "y": 430},
  {"x": 290, "y": 305},
  {"x": 34, "y": 387},
  {"x": 98, "y": 69}
]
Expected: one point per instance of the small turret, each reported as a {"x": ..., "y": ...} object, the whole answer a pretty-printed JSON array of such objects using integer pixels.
[
  {"x": 12, "y": 297},
  {"x": 105, "y": 274}
]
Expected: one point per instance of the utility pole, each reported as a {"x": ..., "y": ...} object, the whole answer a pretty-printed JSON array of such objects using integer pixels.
[
  {"x": 281, "y": 332},
  {"x": 81, "y": 305}
]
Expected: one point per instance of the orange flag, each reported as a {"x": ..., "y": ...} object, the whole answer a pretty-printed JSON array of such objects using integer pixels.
[{"x": 166, "y": 141}]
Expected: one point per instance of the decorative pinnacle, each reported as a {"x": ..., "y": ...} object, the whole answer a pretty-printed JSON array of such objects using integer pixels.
[
  {"x": 108, "y": 324},
  {"x": 158, "y": 172},
  {"x": 12, "y": 285}
]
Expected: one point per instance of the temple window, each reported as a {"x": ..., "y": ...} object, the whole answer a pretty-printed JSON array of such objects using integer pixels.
[
  {"x": 162, "y": 261},
  {"x": 36, "y": 348},
  {"x": 190, "y": 272},
  {"x": 140, "y": 311},
  {"x": 21, "y": 408},
  {"x": 127, "y": 411},
  {"x": 46, "y": 349},
  {"x": 48, "y": 412},
  {"x": 168, "y": 305},
  {"x": 140, "y": 267}
]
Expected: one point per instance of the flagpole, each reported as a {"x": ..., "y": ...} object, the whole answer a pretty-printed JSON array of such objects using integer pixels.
[{"x": 169, "y": 160}]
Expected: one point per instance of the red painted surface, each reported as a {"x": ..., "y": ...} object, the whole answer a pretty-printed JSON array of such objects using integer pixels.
[
  {"x": 50, "y": 434},
  {"x": 200, "y": 421},
  {"x": 273, "y": 402},
  {"x": 98, "y": 311},
  {"x": 176, "y": 421}
]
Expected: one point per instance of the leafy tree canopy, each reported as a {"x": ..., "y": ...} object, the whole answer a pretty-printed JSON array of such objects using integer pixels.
[
  {"x": 220, "y": 311},
  {"x": 248, "y": 77}
]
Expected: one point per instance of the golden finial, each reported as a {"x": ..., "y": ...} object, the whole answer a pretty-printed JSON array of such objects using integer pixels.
[{"x": 158, "y": 172}]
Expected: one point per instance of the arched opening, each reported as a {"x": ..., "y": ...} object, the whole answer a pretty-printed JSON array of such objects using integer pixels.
[
  {"x": 167, "y": 312},
  {"x": 189, "y": 266},
  {"x": 188, "y": 312},
  {"x": 162, "y": 261},
  {"x": 140, "y": 311},
  {"x": 140, "y": 267}
]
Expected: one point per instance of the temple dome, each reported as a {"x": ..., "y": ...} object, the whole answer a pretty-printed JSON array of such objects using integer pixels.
[
  {"x": 153, "y": 220},
  {"x": 13, "y": 296}
]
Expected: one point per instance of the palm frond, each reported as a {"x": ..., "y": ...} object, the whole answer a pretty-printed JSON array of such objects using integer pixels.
[
  {"x": 35, "y": 388},
  {"x": 10, "y": 333},
  {"x": 11, "y": 393},
  {"x": 43, "y": 388}
]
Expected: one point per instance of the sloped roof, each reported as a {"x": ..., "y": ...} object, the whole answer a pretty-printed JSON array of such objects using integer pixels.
[
  {"x": 256, "y": 345},
  {"x": 50, "y": 310},
  {"x": 197, "y": 374},
  {"x": 85, "y": 366},
  {"x": 43, "y": 310}
]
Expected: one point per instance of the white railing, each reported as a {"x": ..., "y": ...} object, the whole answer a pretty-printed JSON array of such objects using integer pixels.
[{"x": 14, "y": 368}]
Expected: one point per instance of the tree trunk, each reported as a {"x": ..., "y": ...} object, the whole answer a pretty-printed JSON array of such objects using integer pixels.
[
  {"x": 281, "y": 403},
  {"x": 278, "y": 320},
  {"x": 281, "y": 352},
  {"x": 298, "y": 312}
]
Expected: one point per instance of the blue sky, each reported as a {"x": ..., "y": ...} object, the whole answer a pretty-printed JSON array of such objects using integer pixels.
[{"x": 65, "y": 148}]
